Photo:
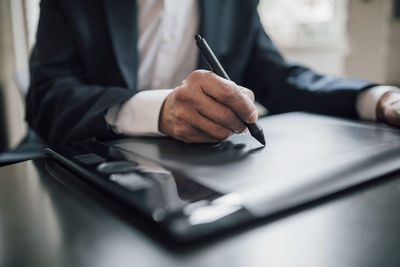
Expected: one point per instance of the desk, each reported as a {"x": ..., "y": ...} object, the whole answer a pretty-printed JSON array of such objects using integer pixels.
[{"x": 46, "y": 222}]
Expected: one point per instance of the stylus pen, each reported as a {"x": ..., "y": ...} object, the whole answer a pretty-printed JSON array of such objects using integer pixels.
[{"x": 254, "y": 128}]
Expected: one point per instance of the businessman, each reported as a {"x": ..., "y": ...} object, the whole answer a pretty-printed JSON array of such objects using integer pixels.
[{"x": 108, "y": 68}]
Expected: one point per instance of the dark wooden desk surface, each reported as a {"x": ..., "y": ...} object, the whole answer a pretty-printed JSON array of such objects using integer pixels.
[{"x": 46, "y": 222}]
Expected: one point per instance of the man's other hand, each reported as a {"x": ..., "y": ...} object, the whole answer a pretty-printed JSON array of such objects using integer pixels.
[
  {"x": 206, "y": 108},
  {"x": 388, "y": 109}
]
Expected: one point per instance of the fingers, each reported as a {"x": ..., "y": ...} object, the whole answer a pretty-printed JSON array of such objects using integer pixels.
[
  {"x": 239, "y": 99},
  {"x": 205, "y": 125},
  {"x": 189, "y": 134},
  {"x": 181, "y": 121},
  {"x": 173, "y": 123},
  {"x": 219, "y": 113},
  {"x": 206, "y": 109}
]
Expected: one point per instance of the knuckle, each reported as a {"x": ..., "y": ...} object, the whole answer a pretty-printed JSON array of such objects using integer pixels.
[
  {"x": 250, "y": 94},
  {"x": 180, "y": 114},
  {"x": 181, "y": 94},
  {"x": 197, "y": 74},
  {"x": 230, "y": 83},
  {"x": 208, "y": 74},
  {"x": 227, "y": 116},
  {"x": 228, "y": 92}
]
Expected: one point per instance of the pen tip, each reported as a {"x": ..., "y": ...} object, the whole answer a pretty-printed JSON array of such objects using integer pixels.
[
  {"x": 262, "y": 141},
  {"x": 260, "y": 138}
]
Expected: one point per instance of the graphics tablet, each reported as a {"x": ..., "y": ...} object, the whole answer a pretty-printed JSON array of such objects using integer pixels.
[{"x": 194, "y": 190}]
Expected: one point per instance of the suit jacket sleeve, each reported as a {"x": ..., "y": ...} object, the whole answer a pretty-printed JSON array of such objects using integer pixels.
[
  {"x": 62, "y": 105},
  {"x": 283, "y": 86}
]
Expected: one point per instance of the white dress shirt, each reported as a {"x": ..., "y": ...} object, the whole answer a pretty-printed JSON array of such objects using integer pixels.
[{"x": 167, "y": 55}]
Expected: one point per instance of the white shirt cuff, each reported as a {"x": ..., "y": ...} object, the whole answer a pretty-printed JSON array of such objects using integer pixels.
[
  {"x": 139, "y": 115},
  {"x": 367, "y": 101}
]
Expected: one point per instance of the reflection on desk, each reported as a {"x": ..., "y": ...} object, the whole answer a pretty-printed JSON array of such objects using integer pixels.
[{"x": 47, "y": 221}]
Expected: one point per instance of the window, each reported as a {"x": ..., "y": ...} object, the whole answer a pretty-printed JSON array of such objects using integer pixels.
[
  {"x": 311, "y": 32},
  {"x": 303, "y": 22}
]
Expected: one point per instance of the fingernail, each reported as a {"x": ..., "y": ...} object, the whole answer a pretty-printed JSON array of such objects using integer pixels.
[{"x": 253, "y": 117}]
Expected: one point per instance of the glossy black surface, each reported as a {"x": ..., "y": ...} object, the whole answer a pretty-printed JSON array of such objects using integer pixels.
[
  {"x": 56, "y": 221},
  {"x": 181, "y": 207},
  {"x": 195, "y": 190}
]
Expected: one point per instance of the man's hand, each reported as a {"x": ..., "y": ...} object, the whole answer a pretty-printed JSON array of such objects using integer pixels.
[
  {"x": 388, "y": 109},
  {"x": 206, "y": 108}
]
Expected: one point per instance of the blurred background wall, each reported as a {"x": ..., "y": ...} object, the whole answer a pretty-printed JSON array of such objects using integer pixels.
[{"x": 358, "y": 38}]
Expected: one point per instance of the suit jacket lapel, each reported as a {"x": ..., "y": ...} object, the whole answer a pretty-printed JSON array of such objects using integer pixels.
[{"x": 122, "y": 21}]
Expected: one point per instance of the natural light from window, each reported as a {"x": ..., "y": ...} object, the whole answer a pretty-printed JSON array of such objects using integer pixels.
[
  {"x": 303, "y": 22},
  {"x": 310, "y": 32}
]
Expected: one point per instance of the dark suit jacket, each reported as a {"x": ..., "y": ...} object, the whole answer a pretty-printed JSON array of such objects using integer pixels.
[{"x": 85, "y": 61}]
